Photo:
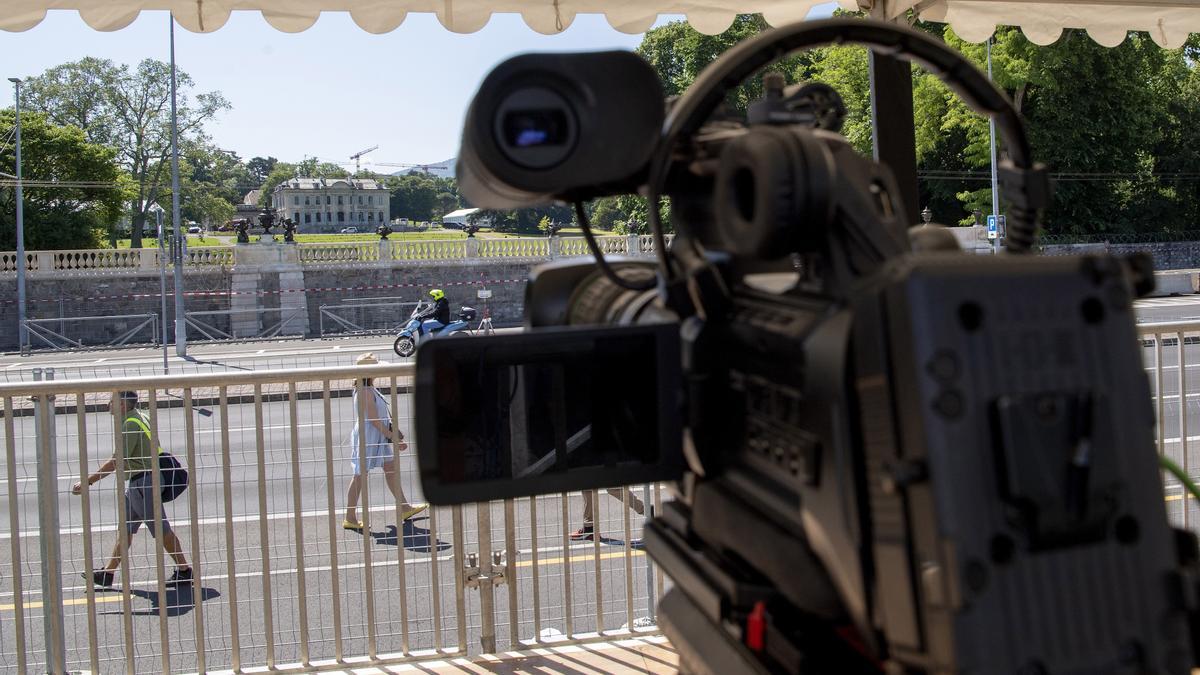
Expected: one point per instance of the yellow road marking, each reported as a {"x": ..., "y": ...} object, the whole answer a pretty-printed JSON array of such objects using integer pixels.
[
  {"x": 37, "y": 604},
  {"x": 74, "y": 601}
]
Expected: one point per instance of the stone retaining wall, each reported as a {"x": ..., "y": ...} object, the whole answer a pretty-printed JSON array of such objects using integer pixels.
[{"x": 367, "y": 295}]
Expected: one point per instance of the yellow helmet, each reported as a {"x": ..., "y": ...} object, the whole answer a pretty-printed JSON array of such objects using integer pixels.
[{"x": 437, "y": 294}]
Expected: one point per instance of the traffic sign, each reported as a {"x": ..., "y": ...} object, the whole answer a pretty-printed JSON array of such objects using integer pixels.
[{"x": 995, "y": 226}]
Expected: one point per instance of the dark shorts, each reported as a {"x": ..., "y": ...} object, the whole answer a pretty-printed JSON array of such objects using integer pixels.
[{"x": 139, "y": 505}]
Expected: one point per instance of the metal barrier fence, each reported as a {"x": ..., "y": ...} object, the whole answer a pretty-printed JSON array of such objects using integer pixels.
[
  {"x": 362, "y": 318},
  {"x": 55, "y": 333},
  {"x": 278, "y": 582}
]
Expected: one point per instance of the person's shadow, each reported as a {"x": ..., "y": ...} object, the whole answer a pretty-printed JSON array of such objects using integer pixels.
[
  {"x": 634, "y": 544},
  {"x": 180, "y": 599},
  {"x": 416, "y": 538}
]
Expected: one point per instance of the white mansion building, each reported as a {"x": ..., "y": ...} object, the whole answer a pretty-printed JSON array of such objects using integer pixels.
[{"x": 332, "y": 204}]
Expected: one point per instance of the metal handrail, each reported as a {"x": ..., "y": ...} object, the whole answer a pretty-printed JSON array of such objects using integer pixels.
[
  {"x": 200, "y": 380},
  {"x": 1145, "y": 329}
]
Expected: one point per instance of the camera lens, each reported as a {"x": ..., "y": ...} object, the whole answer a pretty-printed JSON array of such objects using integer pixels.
[{"x": 535, "y": 127}]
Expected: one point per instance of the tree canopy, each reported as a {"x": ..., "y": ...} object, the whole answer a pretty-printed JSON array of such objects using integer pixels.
[
  {"x": 422, "y": 196},
  {"x": 59, "y": 217},
  {"x": 127, "y": 109},
  {"x": 1119, "y": 127}
]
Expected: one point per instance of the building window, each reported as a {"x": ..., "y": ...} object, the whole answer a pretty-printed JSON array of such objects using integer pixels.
[
  {"x": 308, "y": 217},
  {"x": 295, "y": 200},
  {"x": 370, "y": 200},
  {"x": 306, "y": 200},
  {"x": 339, "y": 200},
  {"x": 318, "y": 216},
  {"x": 327, "y": 198},
  {"x": 341, "y": 215},
  {"x": 371, "y": 216},
  {"x": 381, "y": 216},
  {"x": 360, "y": 200}
]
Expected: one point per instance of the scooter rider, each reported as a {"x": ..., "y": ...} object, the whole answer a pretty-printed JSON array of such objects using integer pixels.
[{"x": 437, "y": 315}]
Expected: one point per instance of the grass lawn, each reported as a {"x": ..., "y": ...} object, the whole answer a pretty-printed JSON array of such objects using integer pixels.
[{"x": 192, "y": 240}]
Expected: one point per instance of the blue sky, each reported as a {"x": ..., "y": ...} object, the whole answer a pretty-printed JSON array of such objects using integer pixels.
[{"x": 326, "y": 92}]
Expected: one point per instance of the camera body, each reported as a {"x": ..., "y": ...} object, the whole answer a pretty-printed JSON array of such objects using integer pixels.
[{"x": 891, "y": 455}]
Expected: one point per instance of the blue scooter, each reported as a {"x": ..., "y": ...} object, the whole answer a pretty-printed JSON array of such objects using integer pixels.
[{"x": 415, "y": 331}]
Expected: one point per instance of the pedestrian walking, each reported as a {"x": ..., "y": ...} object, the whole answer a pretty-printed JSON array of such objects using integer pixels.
[
  {"x": 374, "y": 447},
  {"x": 139, "y": 459},
  {"x": 586, "y": 532}
]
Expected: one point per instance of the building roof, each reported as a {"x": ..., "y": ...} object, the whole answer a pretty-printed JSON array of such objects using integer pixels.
[
  {"x": 461, "y": 213},
  {"x": 329, "y": 183},
  {"x": 252, "y": 197}
]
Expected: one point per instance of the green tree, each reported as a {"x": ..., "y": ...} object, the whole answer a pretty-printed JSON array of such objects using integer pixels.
[
  {"x": 128, "y": 109},
  {"x": 1122, "y": 123},
  {"x": 678, "y": 53},
  {"x": 422, "y": 196},
  {"x": 280, "y": 172},
  {"x": 259, "y": 168},
  {"x": 59, "y": 217},
  {"x": 1117, "y": 124}
]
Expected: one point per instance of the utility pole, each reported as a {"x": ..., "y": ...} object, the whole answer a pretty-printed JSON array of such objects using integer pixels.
[
  {"x": 22, "y": 330},
  {"x": 177, "y": 258},
  {"x": 996, "y": 243}
]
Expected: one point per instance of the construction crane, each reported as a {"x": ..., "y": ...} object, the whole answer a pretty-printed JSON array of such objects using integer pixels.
[
  {"x": 422, "y": 167},
  {"x": 356, "y": 156},
  {"x": 400, "y": 165}
]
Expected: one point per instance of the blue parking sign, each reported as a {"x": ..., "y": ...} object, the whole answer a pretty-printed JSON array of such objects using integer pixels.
[{"x": 995, "y": 224}]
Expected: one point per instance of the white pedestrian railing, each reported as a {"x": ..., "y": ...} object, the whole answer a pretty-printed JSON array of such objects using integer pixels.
[
  {"x": 515, "y": 247},
  {"x": 93, "y": 261},
  {"x": 1170, "y": 350},
  {"x": 317, "y": 254},
  {"x": 428, "y": 249},
  {"x": 201, "y": 256},
  {"x": 278, "y": 582}
]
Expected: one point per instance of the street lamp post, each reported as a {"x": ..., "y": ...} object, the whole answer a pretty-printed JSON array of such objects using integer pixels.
[
  {"x": 22, "y": 330},
  {"x": 177, "y": 258}
]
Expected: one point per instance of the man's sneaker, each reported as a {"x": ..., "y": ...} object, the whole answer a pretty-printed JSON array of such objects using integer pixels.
[
  {"x": 582, "y": 534},
  {"x": 101, "y": 578},
  {"x": 180, "y": 578}
]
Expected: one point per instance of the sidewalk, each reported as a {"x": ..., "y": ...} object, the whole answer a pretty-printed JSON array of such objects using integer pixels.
[{"x": 651, "y": 654}]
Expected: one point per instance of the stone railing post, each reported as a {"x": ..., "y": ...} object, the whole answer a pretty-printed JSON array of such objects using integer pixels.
[
  {"x": 472, "y": 247},
  {"x": 44, "y": 261},
  {"x": 554, "y": 246},
  {"x": 633, "y": 244},
  {"x": 385, "y": 252}
]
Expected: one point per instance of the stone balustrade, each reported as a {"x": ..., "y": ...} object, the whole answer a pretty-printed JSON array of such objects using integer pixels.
[{"x": 383, "y": 252}]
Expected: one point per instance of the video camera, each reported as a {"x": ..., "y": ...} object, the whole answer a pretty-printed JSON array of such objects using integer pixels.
[{"x": 887, "y": 455}]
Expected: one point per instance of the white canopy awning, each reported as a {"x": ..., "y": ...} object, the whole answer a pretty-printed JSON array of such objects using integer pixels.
[{"x": 1167, "y": 21}]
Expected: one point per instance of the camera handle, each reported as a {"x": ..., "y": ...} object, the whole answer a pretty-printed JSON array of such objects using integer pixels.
[{"x": 1026, "y": 183}]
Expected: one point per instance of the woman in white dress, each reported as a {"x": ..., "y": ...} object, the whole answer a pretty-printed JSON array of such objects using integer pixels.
[{"x": 378, "y": 450}]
